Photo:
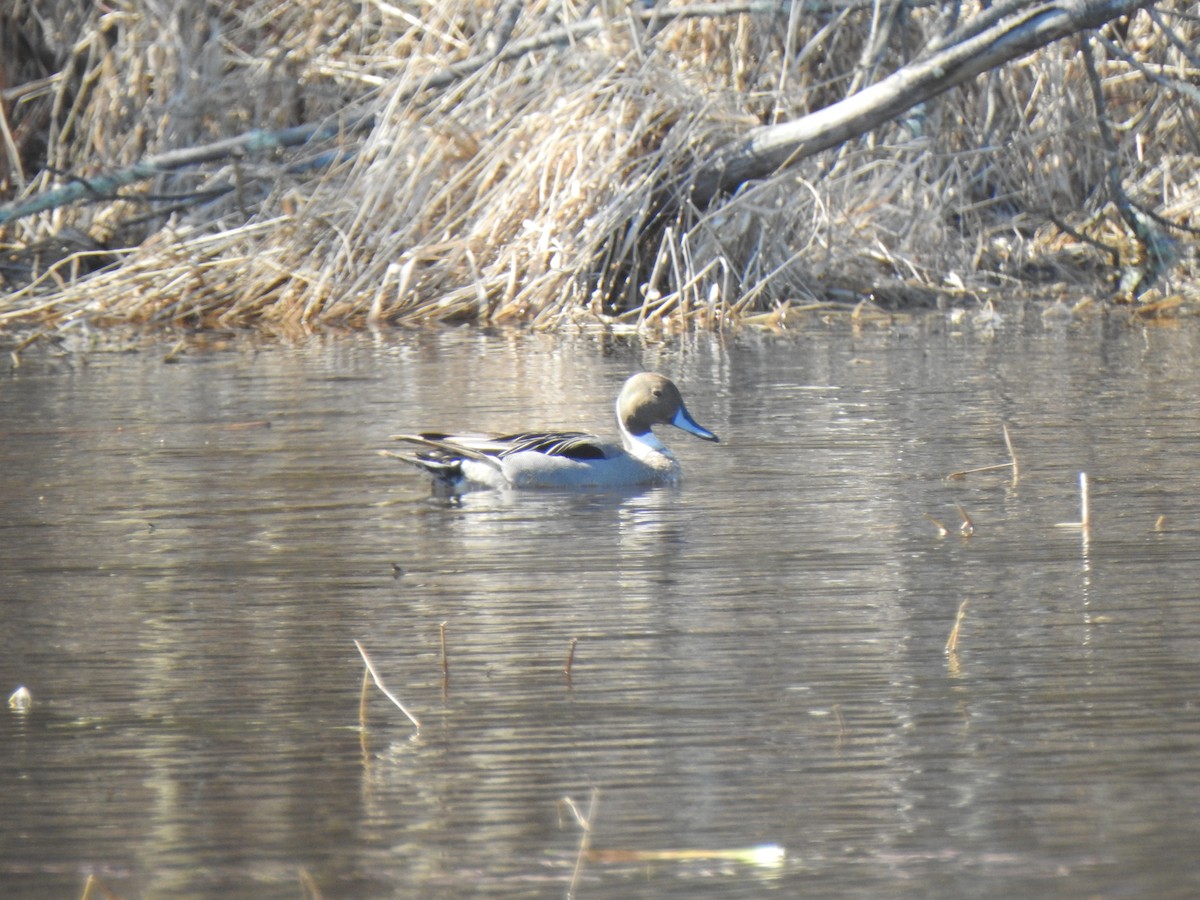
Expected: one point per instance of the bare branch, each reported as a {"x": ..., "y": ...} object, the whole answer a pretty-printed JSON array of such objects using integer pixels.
[{"x": 769, "y": 148}]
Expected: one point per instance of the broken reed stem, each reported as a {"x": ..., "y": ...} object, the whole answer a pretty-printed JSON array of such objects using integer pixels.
[
  {"x": 309, "y": 888},
  {"x": 967, "y": 528},
  {"x": 1012, "y": 454},
  {"x": 1011, "y": 464},
  {"x": 952, "y": 642},
  {"x": 765, "y": 855},
  {"x": 379, "y": 684},
  {"x": 363, "y": 741},
  {"x": 570, "y": 658},
  {"x": 958, "y": 476},
  {"x": 1085, "y": 512},
  {"x": 585, "y": 839}
]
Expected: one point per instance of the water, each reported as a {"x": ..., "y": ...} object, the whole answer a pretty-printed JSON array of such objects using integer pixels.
[{"x": 188, "y": 551}]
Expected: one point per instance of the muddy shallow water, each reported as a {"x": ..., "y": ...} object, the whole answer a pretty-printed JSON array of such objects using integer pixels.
[{"x": 188, "y": 551}]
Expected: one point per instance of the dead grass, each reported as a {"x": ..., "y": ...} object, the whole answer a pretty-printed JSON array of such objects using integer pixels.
[{"x": 530, "y": 190}]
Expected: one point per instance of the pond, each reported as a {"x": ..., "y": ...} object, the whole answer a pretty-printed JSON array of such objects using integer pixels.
[{"x": 190, "y": 550}]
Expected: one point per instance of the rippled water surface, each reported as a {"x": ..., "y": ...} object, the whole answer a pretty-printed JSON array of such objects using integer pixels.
[{"x": 188, "y": 552}]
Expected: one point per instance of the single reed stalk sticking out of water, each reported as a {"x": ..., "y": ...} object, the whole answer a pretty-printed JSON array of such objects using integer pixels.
[
  {"x": 445, "y": 662},
  {"x": 967, "y": 528},
  {"x": 570, "y": 658},
  {"x": 952, "y": 642},
  {"x": 310, "y": 890},
  {"x": 941, "y": 528},
  {"x": 1085, "y": 512},
  {"x": 585, "y": 839},
  {"x": 90, "y": 885},
  {"x": 176, "y": 352},
  {"x": 1012, "y": 454},
  {"x": 841, "y": 725},
  {"x": 445, "y": 659},
  {"x": 362, "y": 698},
  {"x": 363, "y": 744},
  {"x": 379, "y": 684}
]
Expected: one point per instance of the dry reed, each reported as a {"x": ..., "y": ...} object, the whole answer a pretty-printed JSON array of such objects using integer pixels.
[
  {"x": 445, "y": 658},
  {"x": 942, "y": 530},
  {"x": 1085, "y": 511},
  {"x": 585, "y": 823},
  {"x": 1012, "y": 455},
  {"x": 1013, "y": 465},
  {"x": 370, "y": 669},
  {"x": 952, "y": 641},
  {"x": 507, "y": 173},
  {"x": 967, "y": 528},
  {"x": 570, "y": 661}
]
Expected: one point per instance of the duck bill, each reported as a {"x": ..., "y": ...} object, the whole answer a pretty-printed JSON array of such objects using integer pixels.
[{"x": 684, "y": 421}]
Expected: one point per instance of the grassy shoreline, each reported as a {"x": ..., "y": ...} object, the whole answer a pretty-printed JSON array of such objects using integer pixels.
[{"x": 526, "y": 186}]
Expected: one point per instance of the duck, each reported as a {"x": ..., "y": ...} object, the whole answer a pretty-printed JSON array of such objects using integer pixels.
[{"x": 563, "y": 459}]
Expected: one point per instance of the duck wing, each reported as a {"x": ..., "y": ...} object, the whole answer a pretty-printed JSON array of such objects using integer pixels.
[
  {"x": 567, "y": 444},
  {"x": 432, "y": 444},
  {"x": 443, "y": 455},
  {"x": 493, "y": 448}
]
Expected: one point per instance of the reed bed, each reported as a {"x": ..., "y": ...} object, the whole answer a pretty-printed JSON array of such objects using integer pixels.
[{"x": 475, "y": 168}]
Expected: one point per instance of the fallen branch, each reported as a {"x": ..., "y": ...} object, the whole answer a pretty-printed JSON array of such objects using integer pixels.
[
  {"x": 772, "y": 147},
  {"x": 252, "y": 143}
]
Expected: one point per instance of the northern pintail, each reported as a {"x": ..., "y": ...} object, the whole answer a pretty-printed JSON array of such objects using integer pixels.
[{"x": 463, "y": 462}]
